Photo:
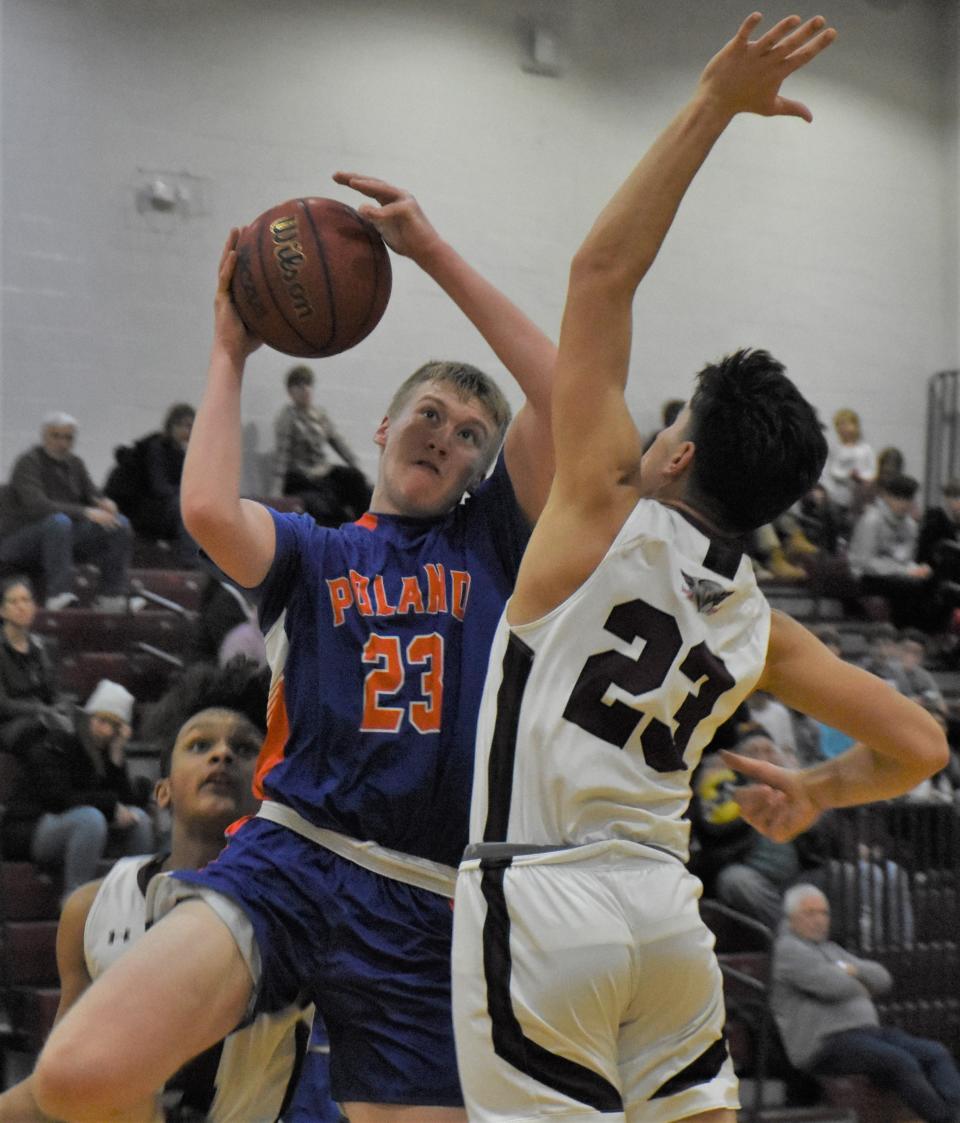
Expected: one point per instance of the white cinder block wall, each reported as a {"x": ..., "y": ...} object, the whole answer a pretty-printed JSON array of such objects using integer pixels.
[{"x": 833, "y": 245}]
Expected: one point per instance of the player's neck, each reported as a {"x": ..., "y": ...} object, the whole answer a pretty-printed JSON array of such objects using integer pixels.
[
  {"x": 191, "y": 849},
  {"x": 696, "y": 514}
]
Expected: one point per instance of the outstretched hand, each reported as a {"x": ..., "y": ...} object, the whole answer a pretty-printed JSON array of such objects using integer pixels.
[
  {"x": 228, "y": 329},
  {"x": 398, "y": 218},
  {"x": 777, "y": 803},
  {"x": 745, "y": 76}
]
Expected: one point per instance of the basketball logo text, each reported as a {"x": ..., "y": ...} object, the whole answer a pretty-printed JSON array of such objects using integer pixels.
[{"x": 288, "y": 251}]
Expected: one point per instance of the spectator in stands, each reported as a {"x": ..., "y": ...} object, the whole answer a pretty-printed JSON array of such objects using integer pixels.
[
  {"x": 51, "y": 515},
  {"x": 938, "y": 540},
  {"x": 332, "y": 493},
  {"x": 851, "y": 467},
  {"x": 911, "y": 676},
  {"x": 28, "y": 691},
  {"x": 740, "y": 867},
  {"x": 145, "y": 483},
  {"x": 890, "y": 462},
  {"x": 75, "y": 791},
  {"x": 881, "y": 555},
  {"x": 822, "y": 999},
  {"x": 777, "y": 721},
  {"x": 208, "y": 731},
  {"x": 882, "y": 655}
]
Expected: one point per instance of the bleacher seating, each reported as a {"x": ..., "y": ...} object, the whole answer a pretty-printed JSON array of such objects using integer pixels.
[{"x": 141, "y": 650}]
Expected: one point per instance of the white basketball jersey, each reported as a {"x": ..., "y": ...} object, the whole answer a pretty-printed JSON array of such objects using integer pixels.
[
  {"x": 594, "y": 716},
  {"x": 256, "y": 1062}
]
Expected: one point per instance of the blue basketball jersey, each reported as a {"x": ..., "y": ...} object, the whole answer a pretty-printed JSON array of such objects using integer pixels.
[{"x": 379, "y": 633}]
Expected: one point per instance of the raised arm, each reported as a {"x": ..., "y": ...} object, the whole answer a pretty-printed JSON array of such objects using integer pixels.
[
  {"x": 599, "y": 448},
  {"x": 898, "y": 742},
  {"x": 238, "y": 534},
  {"x": 517, "y": 342}
]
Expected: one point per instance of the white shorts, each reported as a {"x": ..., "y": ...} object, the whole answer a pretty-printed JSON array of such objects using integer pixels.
[{"x": 585, "y": 986}]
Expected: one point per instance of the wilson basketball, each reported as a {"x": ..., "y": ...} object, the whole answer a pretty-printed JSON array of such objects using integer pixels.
[{"x": 312, "y": 277}]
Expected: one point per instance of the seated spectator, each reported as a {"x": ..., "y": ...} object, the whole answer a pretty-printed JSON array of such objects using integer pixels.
[
  {"x": 74, "y": 791},
  {"x": 145, "y": 483},
  {"x": 51, "y": 515},
  {"x": 938, "y": 539},
  {"x": 822, "y": 1000},
  {"x": 740, "y": 867},
  {"x": 208, "y": 730},
  {"x": 777, "y": 722},
  {"x": 331, "y": 493},
  {"x": 890, "y": 462},
  {"x": 911, "y": 677},
  {"x": 882, "y": 655},
  {"x": 850, "y": 469},
  {"x": 881, "y": 555},
  {"x": 28, "y": 692}
]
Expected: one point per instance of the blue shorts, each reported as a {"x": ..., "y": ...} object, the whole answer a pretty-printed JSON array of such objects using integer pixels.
[{"x": 372, "y": 953}]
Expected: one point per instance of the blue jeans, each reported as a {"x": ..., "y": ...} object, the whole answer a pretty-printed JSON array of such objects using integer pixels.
[
  {"x": 920, "y": 1071},
  {"x": 77, "y": 840},
  {"x": 57, "y": 541}
]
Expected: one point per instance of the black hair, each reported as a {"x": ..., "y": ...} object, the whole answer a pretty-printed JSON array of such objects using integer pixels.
[
  {"x": 759, "y": 443},
  {"x": 240, "y": 685},
  {"x": 177, "y": 413},
  {"x": 299, "y": 376},
  {"x": 10, "y": 582},
  {"x": 900, "y": 487}
]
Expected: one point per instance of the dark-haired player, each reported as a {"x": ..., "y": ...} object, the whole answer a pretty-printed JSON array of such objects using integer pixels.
[
  {"x": 209, "y": 729},
  {"x": 377, "y": 634},
  {"x": 584, "y": 980}
]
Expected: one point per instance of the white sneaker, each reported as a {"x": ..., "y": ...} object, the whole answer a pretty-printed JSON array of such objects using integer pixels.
[
  {"x": 111, "y": 604},
  {"x": 59, "y": 601}
]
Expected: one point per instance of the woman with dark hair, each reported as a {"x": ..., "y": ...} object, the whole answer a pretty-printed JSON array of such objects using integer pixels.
[
  {"x": 145, "y": 484},
  {"x": 28, "y": 692}
]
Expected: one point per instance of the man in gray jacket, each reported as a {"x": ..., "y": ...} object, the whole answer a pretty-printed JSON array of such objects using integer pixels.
[{"x": 822, "y": 1000}]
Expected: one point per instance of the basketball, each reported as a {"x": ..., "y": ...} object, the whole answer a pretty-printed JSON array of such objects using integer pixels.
[{"x": 312, "y": 277}]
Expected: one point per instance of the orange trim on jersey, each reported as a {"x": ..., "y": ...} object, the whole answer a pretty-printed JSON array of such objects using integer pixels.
[
  {"x": 367, "y": 521},
  {"x": 236, "y": 825},
  {"x": 275, "y": 742}
]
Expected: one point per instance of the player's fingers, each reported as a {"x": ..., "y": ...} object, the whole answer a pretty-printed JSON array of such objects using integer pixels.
[
  {"x": 228, "y": 246},
  {"x": 790, "y": 42},
  {"x": 772, "y": 38},
  {"x": 802, "y": 55},
  {"x": 743, "y": 33},
  {"x": 377, "y": 189},
  {"x": 760, "y": 770},
  {"x": 786, "y": 107}
]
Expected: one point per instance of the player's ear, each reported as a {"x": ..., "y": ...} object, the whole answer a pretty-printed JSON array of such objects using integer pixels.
[
  {"x": 380, "y": 436},
  {"x": 161, "y": 793},
  {"x": 680, "y": 459}
]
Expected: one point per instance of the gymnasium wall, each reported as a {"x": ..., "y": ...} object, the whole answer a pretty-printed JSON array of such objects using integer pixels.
[{"x": 835, "y": 245}]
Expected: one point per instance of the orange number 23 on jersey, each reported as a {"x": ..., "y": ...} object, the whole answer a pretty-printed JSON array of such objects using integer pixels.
[{"x": 388, "y": 675}]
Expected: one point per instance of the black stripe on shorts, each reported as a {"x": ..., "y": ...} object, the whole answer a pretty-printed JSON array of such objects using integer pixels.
[{"x": 509, "y": 1041}]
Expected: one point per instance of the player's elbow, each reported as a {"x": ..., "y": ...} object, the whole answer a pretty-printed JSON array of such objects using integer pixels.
[
  {"x": 598, "y": 267},
  {"x": 930, "y": 751}
]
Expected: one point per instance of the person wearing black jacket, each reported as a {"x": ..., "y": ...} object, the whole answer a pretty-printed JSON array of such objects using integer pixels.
[
  {"x": 74, "y": 789},
  {"x": 146, "y": 481},
  {"x": 28, "y": 690}
]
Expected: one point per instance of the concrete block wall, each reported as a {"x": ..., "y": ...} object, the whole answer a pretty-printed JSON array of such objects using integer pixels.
[{"x": 834, "y": 245}]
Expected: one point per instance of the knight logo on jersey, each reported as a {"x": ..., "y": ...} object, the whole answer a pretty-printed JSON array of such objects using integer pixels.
[{"x": 707, "y": 595}]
